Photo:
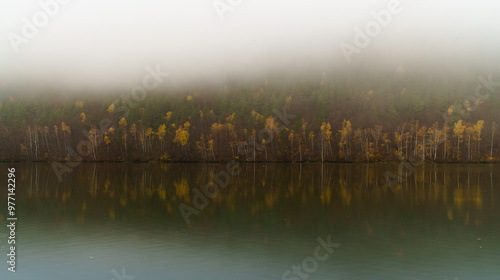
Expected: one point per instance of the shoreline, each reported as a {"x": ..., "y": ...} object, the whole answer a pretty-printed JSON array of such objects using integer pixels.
[{"x": 226, "y": 161}]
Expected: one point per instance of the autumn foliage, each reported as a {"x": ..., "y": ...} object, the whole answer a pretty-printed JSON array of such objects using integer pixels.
[{"x": 249, "y": 125}]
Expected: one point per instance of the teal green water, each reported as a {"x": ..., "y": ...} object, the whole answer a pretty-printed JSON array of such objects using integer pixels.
[{"x": 122, "y": 221}]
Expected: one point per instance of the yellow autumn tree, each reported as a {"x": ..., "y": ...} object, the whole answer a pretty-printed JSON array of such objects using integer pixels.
[
  {"x": 458, "y": 131},
  {"x": 201, "y": 146},
  {"x": 231, "y": 132},
  {"x": 311, "y": 139},
  {"x": 387, "y": 141},
  {"x": 168, "y": 115},
  {"x": 325, "y": 136},
  {"x": 123, "y": 124},
  {"x": 493, "y": 129},
  {"x": 78, "y": 104},
  {"x": 256, "y": 116},
  {"x": 94, "y": 137},
  {"x": 478, "y": 127},
  {"x": 345, "y": 138},
  {"x": 56, "y": 131},
  {"x": 66, "y": 133},
  {"x": 84, "y": 117},
  {"x": 107, "y": 141},
  {"x": 271, "y": 124},
  {"x": 211, "y": 148},
  {"x": 291, "y": 137},
  {"x": 111, "y": 108},
  {"x": 421, "y": 147},
  {"x": 147, "y": 142},
  {"x": 182, "y": 135},
  {"x": 358, "y": 138},
  {"x": 446, "y": 145},
  {"x": 376, "y": 133},
  {"x": 65, "y": 128},
  {"x": 133, "y": 131},
  {"x": 162, "y": 131},
  {"x": 435, "y": 137}
]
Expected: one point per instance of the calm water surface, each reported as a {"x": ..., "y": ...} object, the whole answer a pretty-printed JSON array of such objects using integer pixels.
[{"x": 122, "y": 221}]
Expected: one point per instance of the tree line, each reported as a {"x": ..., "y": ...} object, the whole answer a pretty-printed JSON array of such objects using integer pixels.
[{"x": 331, "y": 122}]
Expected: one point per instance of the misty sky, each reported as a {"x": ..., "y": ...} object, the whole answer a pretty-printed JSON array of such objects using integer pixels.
[{"x": 96, "y": 43}]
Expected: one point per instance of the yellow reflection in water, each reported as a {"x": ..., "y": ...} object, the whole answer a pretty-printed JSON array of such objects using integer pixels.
[
  {"x": 66, "y": 195},
  {"x": 326, "y": 195},
  {"x": 346, "y": 196},
  {"x": 106, "y": 185},
  {"x": 123, "y": 200},
  {"x": 269, "y": 200},
  {"x": 458, "y": 197},
  {"x": 111, "y": 213},
  {"x": 479, "y": 199},
  {"x": 182, "y": 190},
  {"x": 162, "y": 192}
]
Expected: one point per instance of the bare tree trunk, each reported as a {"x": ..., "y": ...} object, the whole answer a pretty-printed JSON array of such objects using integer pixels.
[
  {"x": 445, "y": 140},
  {"x": 468, "y": 150},
  {"x": 322, "y": 148},
  {"x": 300, "y": 151},
  {"x": 423, "y": 148}
]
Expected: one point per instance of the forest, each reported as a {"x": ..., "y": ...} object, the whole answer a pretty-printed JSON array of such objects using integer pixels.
[{"x": 373, "y": 116}]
